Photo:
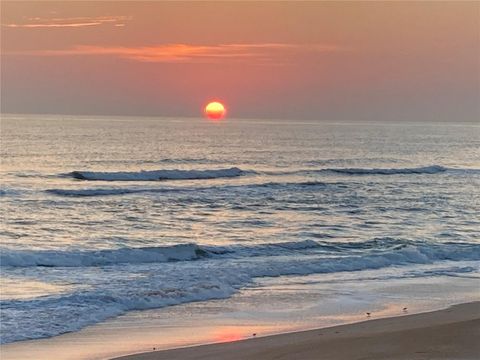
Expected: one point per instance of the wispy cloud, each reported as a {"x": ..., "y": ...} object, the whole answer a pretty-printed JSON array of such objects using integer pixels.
[
  {"x": 37, "y": 22},
  {"x": 177, "y": 53}
]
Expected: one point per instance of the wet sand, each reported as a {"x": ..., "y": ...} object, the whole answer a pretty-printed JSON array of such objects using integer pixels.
[{"x": 452, "y": 333}]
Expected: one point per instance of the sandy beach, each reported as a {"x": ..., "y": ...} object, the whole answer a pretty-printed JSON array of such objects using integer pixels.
[{"x": 451, "y": 333}]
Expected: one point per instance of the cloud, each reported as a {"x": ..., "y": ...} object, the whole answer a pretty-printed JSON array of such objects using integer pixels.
[
  {"x": 69, "y": 22},
  {"x": 178, "y": 53}
]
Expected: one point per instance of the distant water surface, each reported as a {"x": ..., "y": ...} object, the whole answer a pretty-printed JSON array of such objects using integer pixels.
[{"x": 104, "y": 215}]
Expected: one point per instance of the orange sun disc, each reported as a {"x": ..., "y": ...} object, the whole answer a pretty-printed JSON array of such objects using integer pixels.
[{"x": 215, "y": 110}]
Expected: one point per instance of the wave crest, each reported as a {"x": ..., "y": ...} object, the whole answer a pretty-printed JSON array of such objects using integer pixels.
[
  {"x": 384, "y": 247},
  {"x": 434, "y": 169},
  {"x": 155, "y": 175},
  {"x": 57, "y": 258}
]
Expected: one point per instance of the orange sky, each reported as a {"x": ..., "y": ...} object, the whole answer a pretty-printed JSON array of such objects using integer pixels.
[{"x": 306, "y": 60}]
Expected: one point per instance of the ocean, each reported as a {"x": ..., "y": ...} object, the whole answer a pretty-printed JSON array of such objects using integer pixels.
[{"x": 102, "y": 216}]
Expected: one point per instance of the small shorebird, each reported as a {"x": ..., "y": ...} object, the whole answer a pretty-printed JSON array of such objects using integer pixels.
[
  {"x": 405, "y": 309},
  {"x": 368, "y": 314}
]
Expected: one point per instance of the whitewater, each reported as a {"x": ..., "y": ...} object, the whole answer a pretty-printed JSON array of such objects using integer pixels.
[{"x": 103, "y": 216}]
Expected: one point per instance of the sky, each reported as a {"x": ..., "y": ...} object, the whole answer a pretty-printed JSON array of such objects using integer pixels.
[{"x": 369, "y": 61}]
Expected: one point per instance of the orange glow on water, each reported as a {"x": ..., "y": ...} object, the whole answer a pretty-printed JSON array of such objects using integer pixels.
[
  {"x": 229, "y": 335},
  {"x": 215, "y": 110}
]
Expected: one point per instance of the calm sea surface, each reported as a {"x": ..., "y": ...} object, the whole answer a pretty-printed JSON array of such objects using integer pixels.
[{"x": 104, "y": 215}]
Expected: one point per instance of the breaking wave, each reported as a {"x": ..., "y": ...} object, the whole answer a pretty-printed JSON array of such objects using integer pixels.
[
  {"x": 155, "y": 175},
  {"x": 434, "y": 169},
  {"x": 218, "y": 272},
  {"x": 57, "y": 258},
  {"x": 184, "y": 252}
]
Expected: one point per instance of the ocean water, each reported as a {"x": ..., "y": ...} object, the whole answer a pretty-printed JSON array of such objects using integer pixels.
[{"x": 105, "y": 215}]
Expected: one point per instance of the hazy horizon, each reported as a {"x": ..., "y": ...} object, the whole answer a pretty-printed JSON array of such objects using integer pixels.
[{"x": 121, "y": 117}]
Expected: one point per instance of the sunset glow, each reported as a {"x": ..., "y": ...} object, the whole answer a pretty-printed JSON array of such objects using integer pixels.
[
  {"x": 318, "y": 60},
  {"x": 247, "y": 170},
  {"x": 215, "y": 110}
]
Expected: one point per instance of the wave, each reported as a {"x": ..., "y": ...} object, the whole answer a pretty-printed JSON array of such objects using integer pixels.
[
  {"x": 191, "y": 251},
  {"x": 141, "y": 255},
  {"x": 135, "y": 190},
  {"x": 422, "y": 170},
  {"x": 234, "y": 172},
  {"x": 218, "y": 272},
  {"x": 155, "y": 175},
  {"x": 434, "y": 169},
  {"x": 58, "y": 258},
  {"x": 104, "y": 191},
  {"x": 221, "y": 273},
  {"x": 9, "y": 192},
  {"x": 343, "y": 161}
]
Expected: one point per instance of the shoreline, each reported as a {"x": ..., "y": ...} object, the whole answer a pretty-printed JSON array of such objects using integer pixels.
[
  {"x": 450, "y": 333},
  {"x": 267, "y": 310}
]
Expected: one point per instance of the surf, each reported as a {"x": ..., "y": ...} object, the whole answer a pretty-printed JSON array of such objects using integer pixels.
[{"x": 156, "y": 175}]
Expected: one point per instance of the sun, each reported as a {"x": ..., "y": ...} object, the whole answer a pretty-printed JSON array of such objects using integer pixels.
[{"x": 215, "y": 110}]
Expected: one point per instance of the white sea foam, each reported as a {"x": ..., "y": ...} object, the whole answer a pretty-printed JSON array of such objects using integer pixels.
[{"x": 113, "y": 291}]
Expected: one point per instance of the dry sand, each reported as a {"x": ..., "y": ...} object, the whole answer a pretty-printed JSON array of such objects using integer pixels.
[{"x": 453, "y": 333}]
